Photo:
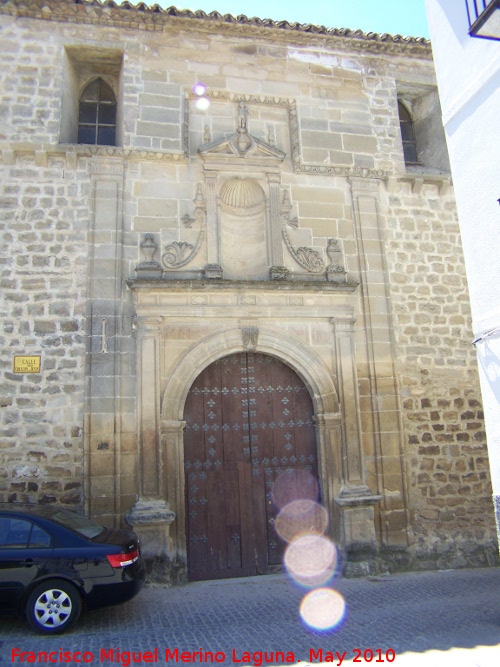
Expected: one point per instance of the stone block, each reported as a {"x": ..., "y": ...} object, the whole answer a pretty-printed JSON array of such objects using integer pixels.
[
  {"x": 326, "y": 194},
  {"x": 102, "y": 463},
  {"x": 311, "y": 139},
  {"x": 102, "y": 487},
  {"x": 162, "y": 130},
  {"x": 166, "y": 208}
]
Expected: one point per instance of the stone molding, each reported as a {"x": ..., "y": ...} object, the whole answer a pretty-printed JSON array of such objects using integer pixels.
[
  {"x": 417, "y": 178},
  {"x": 151, "y": 520},
  {"x": 154, "y": 18},
  {"x": 266, "y": 340},
  {"x": 289, "y": 349},
  {"x": 240, "y": 286},
  {"x": 104, "y": 165},
  {"x": 147, "y": 512},
  {"x": 43, "y": 152},
  {"x": 360, "y": 496},
  {"x": 289, "y": 103}
]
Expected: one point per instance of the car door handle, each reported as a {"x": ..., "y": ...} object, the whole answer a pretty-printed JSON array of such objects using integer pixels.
[{"x": 29, "y": 562}]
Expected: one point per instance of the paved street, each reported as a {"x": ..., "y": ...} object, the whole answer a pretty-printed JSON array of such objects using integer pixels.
[{"x": 436, "y": 619}]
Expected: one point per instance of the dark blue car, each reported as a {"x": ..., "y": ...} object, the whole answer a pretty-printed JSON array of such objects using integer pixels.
[{"x": 53, "y": 562}]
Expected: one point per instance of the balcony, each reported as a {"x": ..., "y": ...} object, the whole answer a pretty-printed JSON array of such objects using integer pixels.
[{"x": 484, "y": 18}]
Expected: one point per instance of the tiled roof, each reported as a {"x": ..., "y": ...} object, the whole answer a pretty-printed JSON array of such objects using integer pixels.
[
  {"x": 245, "y": 20},
  {"x": 155, "y": 15}
]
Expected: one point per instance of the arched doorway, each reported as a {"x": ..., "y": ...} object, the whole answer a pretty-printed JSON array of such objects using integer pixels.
[{"x": 249, "y": 417}]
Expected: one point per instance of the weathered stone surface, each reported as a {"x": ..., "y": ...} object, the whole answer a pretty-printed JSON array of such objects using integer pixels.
[{"x": 386, "y": 349}]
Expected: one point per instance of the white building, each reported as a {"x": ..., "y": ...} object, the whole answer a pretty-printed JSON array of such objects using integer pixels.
[{"x": 467, "y": 59}]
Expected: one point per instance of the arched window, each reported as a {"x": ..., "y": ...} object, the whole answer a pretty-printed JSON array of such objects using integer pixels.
[
  {"x": 408, "y": 135},
  {"x": 97, "y": 114}
]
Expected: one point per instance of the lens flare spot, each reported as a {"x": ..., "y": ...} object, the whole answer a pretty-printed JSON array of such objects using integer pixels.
[
  {"x": 294, "y": 485},
  {"x": 301, "y": 517},
  {"x": 199, "y": 89},
  {"x": 311, "y": 560},
  {"x": 202, "y": 103},
  {"x": 322, "y": 609}
]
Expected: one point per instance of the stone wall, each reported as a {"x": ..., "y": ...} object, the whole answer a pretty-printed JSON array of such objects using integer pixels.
[
  {"x": 321, "y": 110},
  {"x": 44, "y": 260},
  {"x": 448, "y": 473}
]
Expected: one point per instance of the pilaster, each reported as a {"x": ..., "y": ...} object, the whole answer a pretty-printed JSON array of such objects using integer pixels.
[
  {"x": 379, "y": 400},
  {"x": 172, "y": 439},
  {"x": 274, "y": 225},
  {"x": 150, "y": 463},
  {"x": 213, "y": 268},
  {"x": 103, "y": 387},
  {"x": 353, "y": 472}
]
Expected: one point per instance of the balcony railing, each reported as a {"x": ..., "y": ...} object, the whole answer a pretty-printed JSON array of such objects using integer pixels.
[{"x": 484, "y": 18}]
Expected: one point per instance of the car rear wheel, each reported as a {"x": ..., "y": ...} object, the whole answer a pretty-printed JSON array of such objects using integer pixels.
[{"x": 53, "y": 607}]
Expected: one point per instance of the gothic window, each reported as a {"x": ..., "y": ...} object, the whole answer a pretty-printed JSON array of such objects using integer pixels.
[
  {"x": 97, "y": 114},
  {"x": 407, "y": 135}
]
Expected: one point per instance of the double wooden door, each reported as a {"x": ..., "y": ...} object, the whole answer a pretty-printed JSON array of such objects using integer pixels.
[{"x": 248, "y": 420}]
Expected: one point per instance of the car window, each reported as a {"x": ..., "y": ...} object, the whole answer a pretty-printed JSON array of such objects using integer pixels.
[
  {"x": 80, "y": 524},
  {"x": 39, "y": 538},
  {"x": 21, "y": 533},
  {"x": 14, "y": 533},
  {"x": 4, "y": 530}
]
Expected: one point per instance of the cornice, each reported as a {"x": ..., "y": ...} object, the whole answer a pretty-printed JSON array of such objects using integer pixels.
[
  {"x": 155, "y": 18},
  {"x": 295, "y": 286}
]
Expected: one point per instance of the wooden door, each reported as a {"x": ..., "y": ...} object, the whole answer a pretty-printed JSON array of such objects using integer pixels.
[{"x": 248, "y": 420}]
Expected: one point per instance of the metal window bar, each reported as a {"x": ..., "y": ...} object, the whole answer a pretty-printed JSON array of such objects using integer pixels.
[
  {"x": 97, "y": 114},
  {"x": 478, "y": 13}
]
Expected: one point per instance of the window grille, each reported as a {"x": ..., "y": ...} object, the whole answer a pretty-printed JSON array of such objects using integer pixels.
[
  {"x": 407, "y": 135},
  {"x": 97, "y": 114}
]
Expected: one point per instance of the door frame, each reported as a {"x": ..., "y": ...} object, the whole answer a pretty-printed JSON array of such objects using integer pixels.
[
  {"x": 251, "y": 372},
  {"x": 308, "y": 366}
]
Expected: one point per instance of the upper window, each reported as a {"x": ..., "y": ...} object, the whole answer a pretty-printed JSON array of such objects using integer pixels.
[
  {"x": 97, "y": 114},
  {"x": 408, "y": 135}
]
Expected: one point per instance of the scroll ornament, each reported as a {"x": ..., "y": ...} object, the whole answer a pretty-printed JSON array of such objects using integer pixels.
[
  {"x": 308, "y": 258},
  {"x": 179, "y": 253}
]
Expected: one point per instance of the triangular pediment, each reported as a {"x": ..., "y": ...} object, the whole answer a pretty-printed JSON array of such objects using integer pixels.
[{"x": 242, "y": 145}]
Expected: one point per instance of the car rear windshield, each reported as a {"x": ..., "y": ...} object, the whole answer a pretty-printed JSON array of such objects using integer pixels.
[{"x": 80, "y": 524}]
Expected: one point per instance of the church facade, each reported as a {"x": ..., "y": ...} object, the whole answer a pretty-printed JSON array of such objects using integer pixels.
[{"x": 231, "y": 254}]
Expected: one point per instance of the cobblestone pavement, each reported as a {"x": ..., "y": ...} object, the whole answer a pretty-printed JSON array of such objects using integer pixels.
[{"x": 436, "y": 619}]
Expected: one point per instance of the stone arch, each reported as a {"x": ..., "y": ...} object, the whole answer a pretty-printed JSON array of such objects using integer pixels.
[{"x": 308, "y": 365}]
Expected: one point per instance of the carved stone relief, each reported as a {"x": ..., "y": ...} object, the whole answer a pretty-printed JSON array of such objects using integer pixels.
[
  {"x": 246, "y": 217},
  {"x": 335, "y": 271},
  {"x": 149, "y": 268},
  {"x": 250, "y": 337},
  {"x": 308, "y": 258},
  {"x": 242, "y": 227},
  {"x": 179, "y": 253}
]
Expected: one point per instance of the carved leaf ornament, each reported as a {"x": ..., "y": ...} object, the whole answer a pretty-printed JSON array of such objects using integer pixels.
[
  {"x": 309, "y": 259},
  {"x": 178, "y": 254}
]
